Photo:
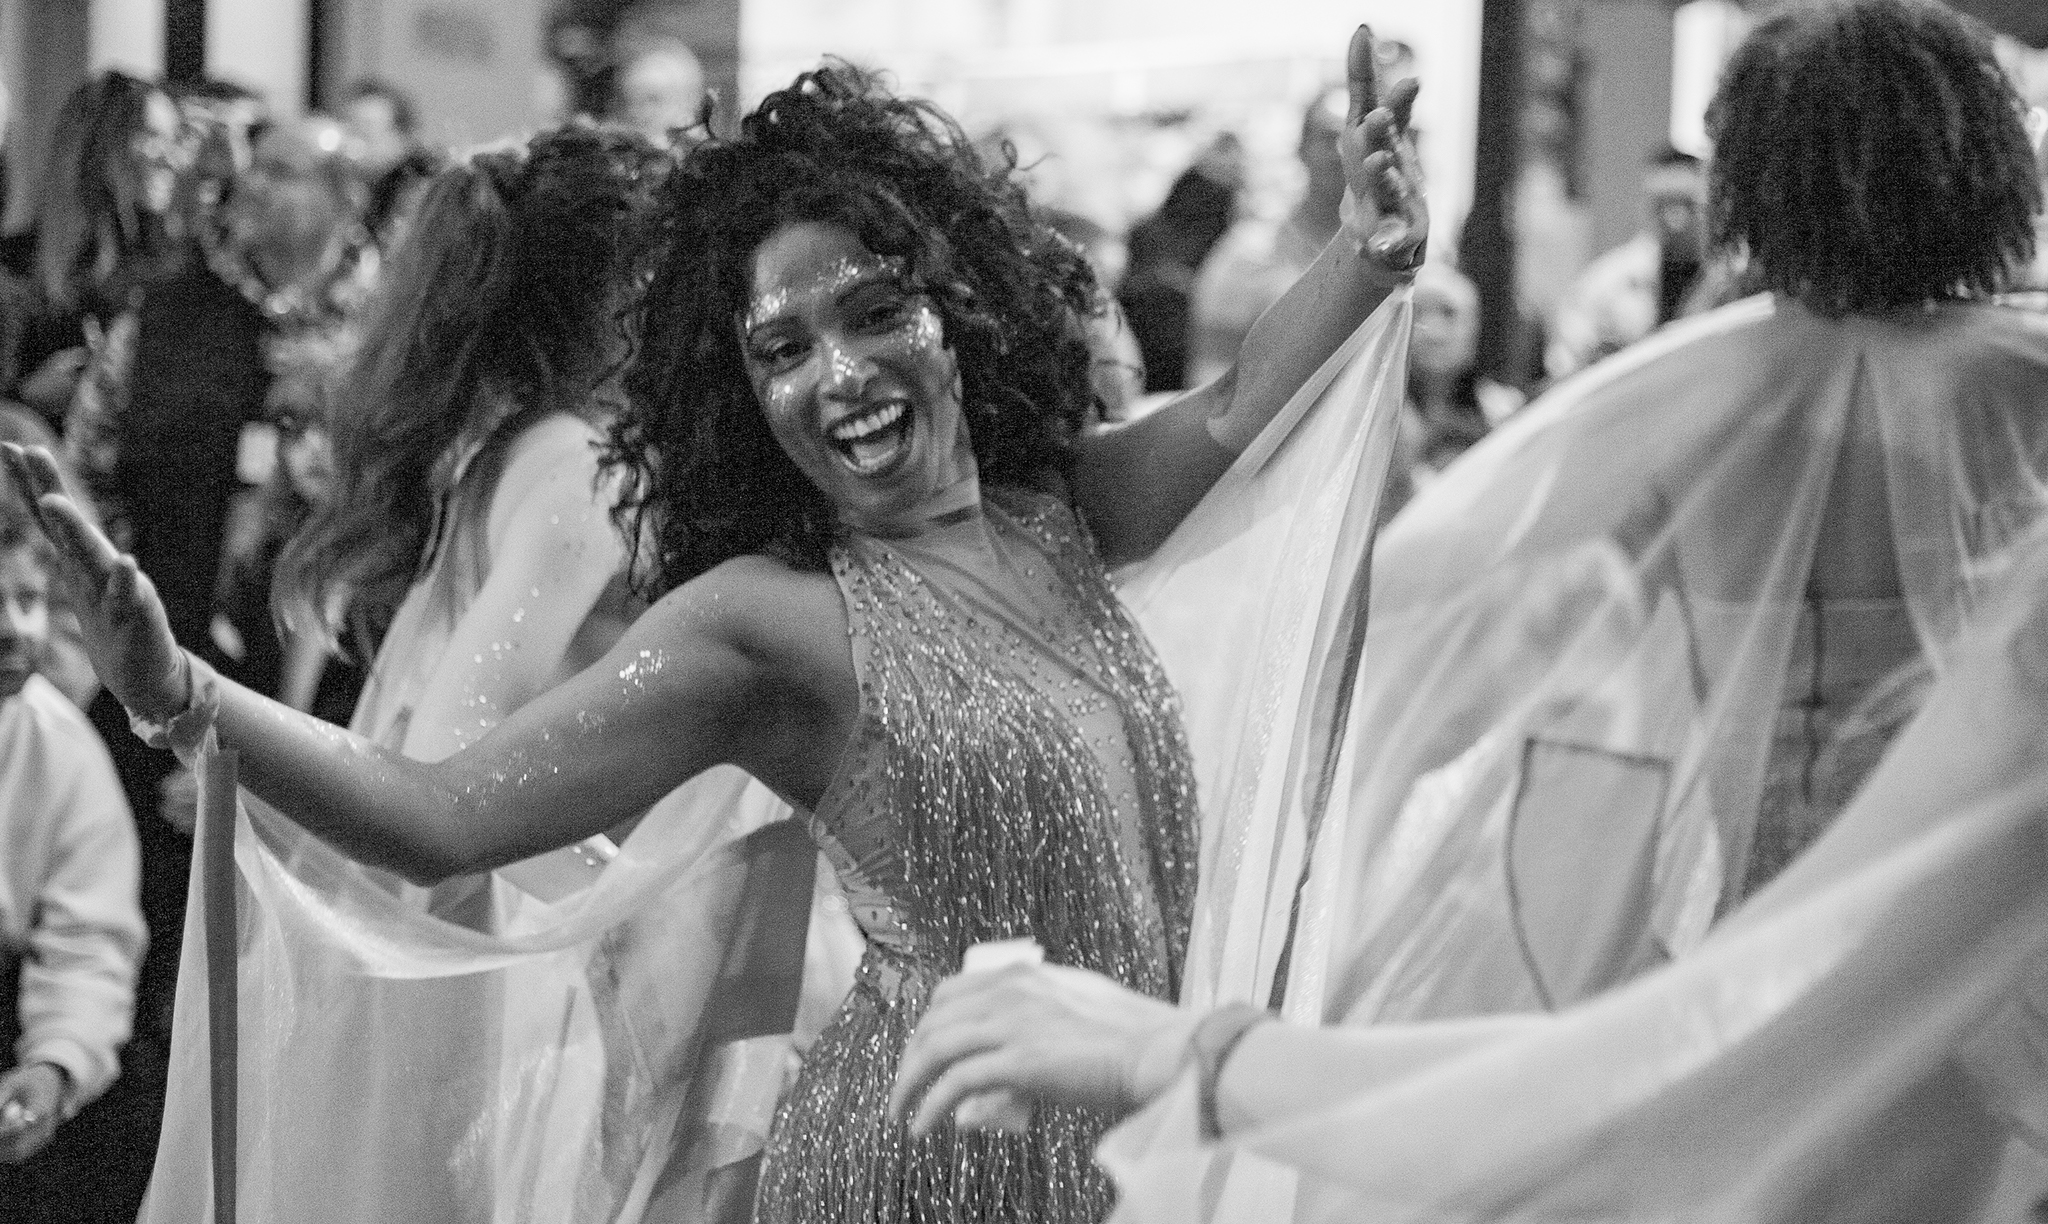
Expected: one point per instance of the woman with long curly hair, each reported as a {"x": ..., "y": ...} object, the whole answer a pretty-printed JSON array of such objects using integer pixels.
[{"x": 881, "y": 538}]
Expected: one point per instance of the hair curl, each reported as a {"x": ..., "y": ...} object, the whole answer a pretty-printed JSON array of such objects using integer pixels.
[
  {"x": 1871, "y": 154},
  {"x": 502, "y": 303},
  {"x": 706, "y": 481}
]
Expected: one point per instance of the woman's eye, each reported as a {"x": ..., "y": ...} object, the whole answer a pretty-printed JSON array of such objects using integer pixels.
[
  {"x": 778, "y": 354},
  {"x": 882, "y": 314}
]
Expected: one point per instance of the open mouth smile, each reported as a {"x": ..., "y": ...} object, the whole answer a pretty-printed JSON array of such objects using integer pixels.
[{"x": 874, "y": 439}]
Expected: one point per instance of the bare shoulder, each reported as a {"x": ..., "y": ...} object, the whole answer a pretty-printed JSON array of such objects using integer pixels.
[
  {"x": 785, "y": 629},
  {"x": 790, "y": 620}
]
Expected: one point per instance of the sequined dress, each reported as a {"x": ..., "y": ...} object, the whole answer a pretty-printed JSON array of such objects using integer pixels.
[{"x": 1018, "y": 769}]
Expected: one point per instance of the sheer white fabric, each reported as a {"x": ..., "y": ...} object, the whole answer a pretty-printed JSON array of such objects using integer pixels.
[
  {"x": 410, "y": 1053},
  {"x": 1578, "y": 647},
  {"x": 601, "y": 1102},
  {"x": 1855, "y": 1044}
]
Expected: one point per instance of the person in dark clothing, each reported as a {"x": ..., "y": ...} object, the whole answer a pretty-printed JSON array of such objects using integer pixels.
[
  {"x": 99, "y": 233},
  {"x": 384, "y": 144},
  {"x": 1166, "y": 249}
]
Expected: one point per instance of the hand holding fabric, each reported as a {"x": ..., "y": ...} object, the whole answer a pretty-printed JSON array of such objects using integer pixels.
[
  {"x": 1050, "y": 1032},
  {"x": 1383, "y": 213},
  {"x": 127, "y": 634},
  {"x": 31, "y": 1099}
]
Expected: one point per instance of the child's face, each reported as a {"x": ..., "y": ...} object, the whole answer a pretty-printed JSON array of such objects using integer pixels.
[{"x": 24, "y": 616}]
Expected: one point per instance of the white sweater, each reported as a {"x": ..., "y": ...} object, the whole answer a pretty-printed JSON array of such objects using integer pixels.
[{"x": 69, "y": 874}]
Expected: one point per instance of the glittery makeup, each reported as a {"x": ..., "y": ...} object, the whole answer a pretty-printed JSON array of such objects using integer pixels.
[
  {"x": 835, "y": 277},
  {"x": 853, "y": 375}
]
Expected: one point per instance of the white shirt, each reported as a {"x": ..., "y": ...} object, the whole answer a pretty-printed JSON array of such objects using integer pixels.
[{"x": 70, "y": 868}]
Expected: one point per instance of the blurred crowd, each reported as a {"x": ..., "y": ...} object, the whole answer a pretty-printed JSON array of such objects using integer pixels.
[{"x": 173, "y": 322}]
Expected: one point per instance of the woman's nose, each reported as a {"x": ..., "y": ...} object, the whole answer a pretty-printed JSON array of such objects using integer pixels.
[{"x": 847, "y": 370}]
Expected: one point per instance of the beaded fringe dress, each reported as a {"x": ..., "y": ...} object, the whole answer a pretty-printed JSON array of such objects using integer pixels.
[{"x": 1019, "y": 770}]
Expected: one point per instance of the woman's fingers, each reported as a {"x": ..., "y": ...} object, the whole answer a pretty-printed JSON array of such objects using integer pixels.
[
  {"x": 926, "y": 1063},
  {"x": 988, "y": 1071},
  {"x": 960, "y": 1020},
  {"x": 1361, "y": 76},
  {"x": 87, "y": 552},
  {"x": 1400, "y": 103},
  {"x": 84, "y": 550},
  {"x": 32, "y": 468}
]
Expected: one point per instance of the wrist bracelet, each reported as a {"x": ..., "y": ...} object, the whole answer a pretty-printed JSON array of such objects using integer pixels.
[
  {"x": 1210, "y": 1047},
  {"x": 1401, "y": 273},
  {"x": 183, "y": 730}
]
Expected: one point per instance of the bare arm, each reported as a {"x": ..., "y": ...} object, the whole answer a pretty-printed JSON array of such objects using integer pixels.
[
  {"x": 738, "y": 666},
  {"x": 1072, "y": 1037},
  {"x": 1135, "y": 485},
  {"x": 670, "y": 700}
]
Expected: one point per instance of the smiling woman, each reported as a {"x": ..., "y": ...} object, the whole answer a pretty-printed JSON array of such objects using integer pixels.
[
  {"x": 881, "y": 540},
  {"x": 874, "y": 421}
]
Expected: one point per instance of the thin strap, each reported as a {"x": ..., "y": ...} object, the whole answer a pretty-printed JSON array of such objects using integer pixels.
[{"x": 1212, "y": 1044}]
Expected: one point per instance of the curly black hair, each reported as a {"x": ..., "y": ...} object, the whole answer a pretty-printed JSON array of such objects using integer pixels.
[
  {"x": 506, "y": 299},
  {"x": 1872, "y": 154},
  {"x": 706, "y": 481}
]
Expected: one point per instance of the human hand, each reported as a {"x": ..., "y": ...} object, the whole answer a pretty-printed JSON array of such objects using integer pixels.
[
  {"x": 1383, "y": 214},
  {"x": 126, "y": 632},
  {"x": 1049, "y": 1032},
  {"x": 31, "y": 1098}
]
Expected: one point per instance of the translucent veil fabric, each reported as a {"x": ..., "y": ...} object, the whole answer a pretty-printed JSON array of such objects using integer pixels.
[
  {"x": 619, "y": 1071},
  {"x": 469, "y": 1052},
  {"x": 1579, "y": 642}
]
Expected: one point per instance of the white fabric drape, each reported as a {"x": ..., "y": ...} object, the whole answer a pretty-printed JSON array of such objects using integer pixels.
[{"x": 1578, "y": 646}]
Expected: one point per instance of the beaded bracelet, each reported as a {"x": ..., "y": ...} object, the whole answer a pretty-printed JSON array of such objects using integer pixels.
[{"x": 1210, "y": 1047}]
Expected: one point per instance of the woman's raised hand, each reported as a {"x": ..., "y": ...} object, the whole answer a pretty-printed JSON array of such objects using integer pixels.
[
  {"x": 1383, "y": 213},
  {"x": 127, "y": 635},
  {"x": 1048, "y": 1032}
]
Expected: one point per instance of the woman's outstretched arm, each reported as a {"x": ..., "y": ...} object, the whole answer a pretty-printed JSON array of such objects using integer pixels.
[
  {"x": 696, "y": 682},
  {"x": 1136, "y": 484}
]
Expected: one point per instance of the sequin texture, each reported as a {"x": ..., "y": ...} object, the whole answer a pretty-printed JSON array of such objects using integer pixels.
[{"x": 1019, "y": 770}]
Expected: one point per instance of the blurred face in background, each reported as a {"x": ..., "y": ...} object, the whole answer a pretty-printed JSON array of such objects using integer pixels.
[
  {"x": 375, "y": 142},
  {"x": 158, "y": 151},
  {"x": 293, "y": 203},
  {"x": 1677, "y": 196},
  {"x": 1444, "y": 341},
  {"x": 1318, "y": 150},
  {"x": 24, "y": 615},
  {"x": 661, "y": 90},
  {"x": 307, "y": 453}
]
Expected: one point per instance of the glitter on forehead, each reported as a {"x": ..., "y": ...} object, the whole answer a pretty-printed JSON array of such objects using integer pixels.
[{"x": 835, "y": 277}]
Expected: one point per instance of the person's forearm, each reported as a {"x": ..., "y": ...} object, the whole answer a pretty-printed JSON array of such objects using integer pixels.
[
  {"x": 1281, "y": 1070},
  {"x": 372, "y": 804},
  {"x": 1298, "y": 333}
]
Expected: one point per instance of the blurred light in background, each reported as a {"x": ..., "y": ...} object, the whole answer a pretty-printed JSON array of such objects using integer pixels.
[{"x": 1110, "y": 99}]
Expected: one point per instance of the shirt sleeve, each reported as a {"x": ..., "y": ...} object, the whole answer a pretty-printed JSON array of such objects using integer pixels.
[{"x": 86, "y": 941}]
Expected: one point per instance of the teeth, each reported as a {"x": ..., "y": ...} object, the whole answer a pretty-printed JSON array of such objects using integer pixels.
[{"x": 854, "y": 428}]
